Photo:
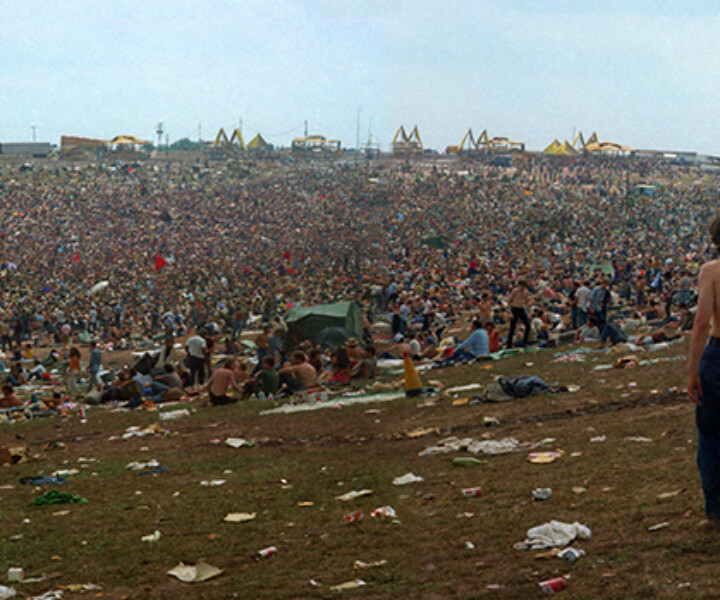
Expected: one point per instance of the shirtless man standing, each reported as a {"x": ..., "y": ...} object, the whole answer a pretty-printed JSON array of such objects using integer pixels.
[{"x": 703, "y": 377}]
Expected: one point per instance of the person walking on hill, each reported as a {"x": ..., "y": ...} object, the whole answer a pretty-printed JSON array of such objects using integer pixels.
[{"x": 517, "y": 300}]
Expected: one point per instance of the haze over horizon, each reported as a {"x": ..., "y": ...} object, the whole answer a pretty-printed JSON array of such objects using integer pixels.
[{"x": 639, "y": 73}]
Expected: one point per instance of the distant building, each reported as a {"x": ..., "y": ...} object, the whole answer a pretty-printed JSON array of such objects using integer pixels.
[{"x": 29, "y": 149}]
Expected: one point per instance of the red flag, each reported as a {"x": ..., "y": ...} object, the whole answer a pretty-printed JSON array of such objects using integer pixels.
[
  {"x": 286, "y": 256},
  {"x": 160, "y": 262},
  {"x": 77, "y": 256}
]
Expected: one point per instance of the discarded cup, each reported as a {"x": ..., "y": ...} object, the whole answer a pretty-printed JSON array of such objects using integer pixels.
[
  {"x": 542, "y": 493},
  {"x": 472, "y": 492},
  {"x": 16, "y": 574},
  {"x": 267, "y": 552},
  {"x": 553, "y": 585}
]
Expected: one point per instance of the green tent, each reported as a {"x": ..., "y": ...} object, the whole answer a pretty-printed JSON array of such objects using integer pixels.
[{"x": 305, "y": 322}]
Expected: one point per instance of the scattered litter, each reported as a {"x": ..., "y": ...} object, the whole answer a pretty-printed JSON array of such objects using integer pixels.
[
  {"x": 347, "y": 401},
  {"x": 202, "y": 571},
  {"x": 384, "y": 512},
  {"x": 469, "y": 545},
  {"x": 60, "y": 513},
  {"x": 153, "y": 537},
  {"x": 51, "y": 595},
  {"x": 666, "y": 495},
  {"x": 352, "y": 495},
  {"x": 305, "y": 504},
  {"x": 314, "y": 583},
  {"x": 573, "y": 388},
  {"x": 354, "y": 516},
  {"x": 40, "y": 480},
  {"x": 267, "y": 552},
  {"x": 551, "y": 553},
  {"x": 174, "y": 414},
  {"x": 553, "y": 534},
  {"x": 541, "y": 458},
  {"x": 240, "y": 517},
  {"x": 570, "y": 358},
  {"x": 13, "y": 455},
  {"x": 553, "y": 585},
  {"x": 81, "y": 587},
  {"x": 6, "y": 592},
  {"x": 503, "y": 446},
  {"x": 359, "y": 564},
  {"x": 348, "y": 585},
  {"x": 213, "y": 482},
  {"x": 579, "y": 490},
  {"x": 15, "y": 574},
  {"x": 55, "y": 497},
  {"x": 140, "y": 466},
  {"x": 490, "y": 421},
  {"x": 136, "y": 431},
  {"x": 421, "y": 432},
  {"x": 658, "y": 526},
  {"x": 598, "y": 439},
  {"x": 460, "y": 401},
  {"x": 464, "y": 388},
  {"x": 239, "y": 443},
  {"x": 571, "y": 555},
  {"x": 638, "y": 438},
  {"x": 65, "y": 473},
  {"x": 541, "y": 493},
  {"x": 407, "y": 478}
]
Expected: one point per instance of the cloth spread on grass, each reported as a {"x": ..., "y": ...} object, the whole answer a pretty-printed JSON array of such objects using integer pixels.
[{"x": 55, "y": 497}]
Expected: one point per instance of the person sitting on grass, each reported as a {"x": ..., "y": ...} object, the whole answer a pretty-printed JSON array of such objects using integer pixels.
[
  {"x": 341, "y": 370},
  {"x": 477, "y": 344},
  {"x": 221, "y": 381},
  {"x": 266, "y": 382},
  {"x": 9, "y": 399},
  {"x": 297, "y": 375}
]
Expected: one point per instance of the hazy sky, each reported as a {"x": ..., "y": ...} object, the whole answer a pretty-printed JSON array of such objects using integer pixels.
[{"x": 642, "y": 73}]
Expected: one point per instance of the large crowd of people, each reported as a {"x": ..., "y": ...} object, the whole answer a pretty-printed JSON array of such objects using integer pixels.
[{"x": 549, "y": 249}]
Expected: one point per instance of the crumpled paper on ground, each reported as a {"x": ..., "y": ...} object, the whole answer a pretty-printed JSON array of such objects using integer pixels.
[
  {"x": 553, "y": 535},
  {"x": 503, "y": 446},
  {"x": 202, "y": 571}
]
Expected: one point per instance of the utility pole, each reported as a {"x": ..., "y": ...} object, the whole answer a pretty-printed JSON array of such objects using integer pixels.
[
  {"x": 199, "y": 133},
  {"x": 34, "y": 127},
  {"x": 160, "y": 130},
  {"x": 357, "y": 131},
  {"x": 306, "y": 128}
]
